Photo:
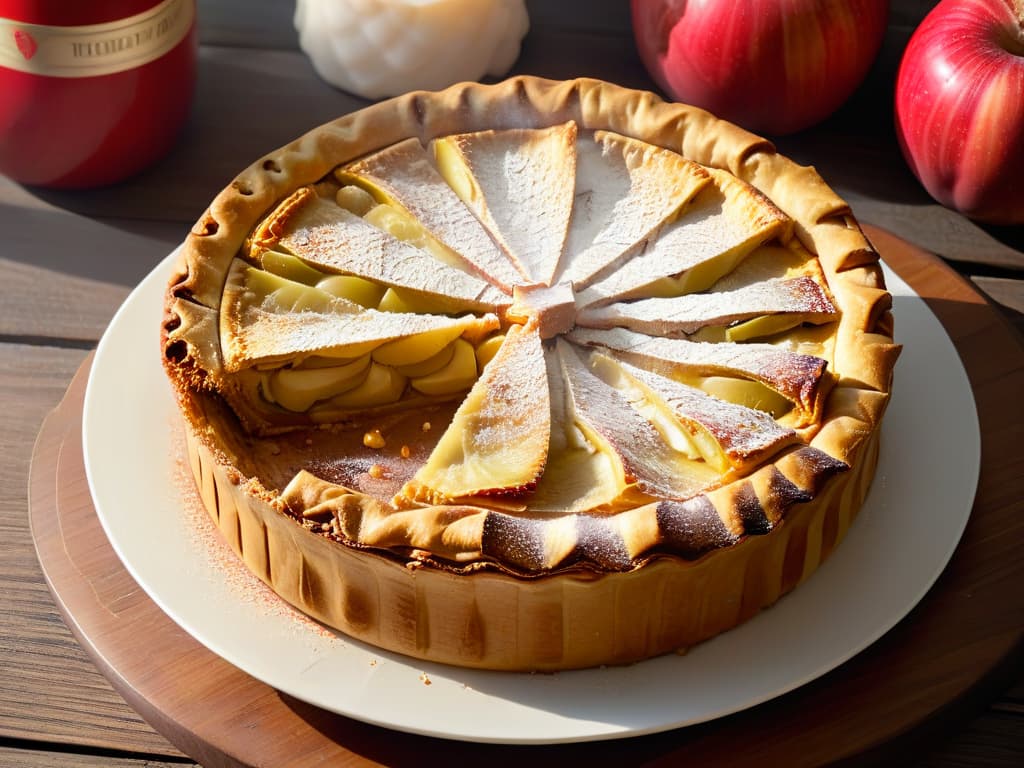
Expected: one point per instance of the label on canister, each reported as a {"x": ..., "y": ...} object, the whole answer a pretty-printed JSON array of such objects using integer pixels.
[{"x": 93, "y": 50}]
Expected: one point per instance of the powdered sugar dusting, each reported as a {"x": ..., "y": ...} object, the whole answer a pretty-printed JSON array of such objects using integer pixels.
[
  {"x": 741, "y": 432},
  {"x": 405, "y": 171},
  {"x": 498, "y": 439},
  {"x": 221, "y": 565},
  {"x": 707, "y": 230},
  {"x": 624, "y": 190},
  {"x": 658, "y": 468},
  {"x": 691, "y": 312},
  {"x": 328, "y": 235},
  {"x": 793, "y": 375}
]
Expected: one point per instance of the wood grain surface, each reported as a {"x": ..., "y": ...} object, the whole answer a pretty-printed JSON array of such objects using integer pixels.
[
  {"x": 69, "y": 259},
  {"x": 954, "y": 643}
]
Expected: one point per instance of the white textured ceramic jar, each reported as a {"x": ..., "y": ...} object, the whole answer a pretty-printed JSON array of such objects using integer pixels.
[{"x": 379, "y": 48}]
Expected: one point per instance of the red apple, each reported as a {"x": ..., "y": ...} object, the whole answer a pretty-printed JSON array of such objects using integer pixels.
[
  {"x": 772, "y": 66},
  {"x": 960, "y": 107}
]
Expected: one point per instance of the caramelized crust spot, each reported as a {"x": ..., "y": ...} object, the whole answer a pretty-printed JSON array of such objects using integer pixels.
[{"x": 692, "y": 527}]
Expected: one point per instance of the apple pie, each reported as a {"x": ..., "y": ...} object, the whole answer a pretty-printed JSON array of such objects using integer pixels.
[{"x": 530, "y": 376}]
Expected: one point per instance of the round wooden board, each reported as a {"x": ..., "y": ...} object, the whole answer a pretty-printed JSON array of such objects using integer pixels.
[{"x": 950, "y": 650}]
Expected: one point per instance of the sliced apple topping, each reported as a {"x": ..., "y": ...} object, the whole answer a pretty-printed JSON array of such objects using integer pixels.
[
  {"x": 382, "y": 385},
  {"x": 364, "y": 292},
  {"x": 396, "y": 222},
  {"x": 368, "y": 381},
  {"x": 748, "y": 393},
  {"x": 401, "y": 300},
  {"x": 403, "y": 175},
  {"x": 289, "y": 267},
  {"x": 417, "y": 348},
  {"x": 728, "y": 436},
  {"x": 487, "y": 349},
  {"x": 772, "y": 261},
  {"x": 247, "y": 285},
  {"x": 582, "y": 474},
  {"x": 725, "y": 222},
  {"x": 799, "y": 379},
  {"x": 625, "y": 189},
  {"x": 268, "y": 319},
  {"x": 332, "y": 240},
  {"x": 355, "y": 199},
  {"x": 296, "y": 389},
  {"x": 497, "y": 442},
  {"x": 428, "y": 365},
  {"x": 647, "y": 453},
  {"x": 515, "y": 182},
  {"x": 787, "y": 302},
  {"x": 456, "y": 375}
]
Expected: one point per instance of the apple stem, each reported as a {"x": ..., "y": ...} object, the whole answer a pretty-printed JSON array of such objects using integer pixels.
[{"x": 1020, "y": 12}]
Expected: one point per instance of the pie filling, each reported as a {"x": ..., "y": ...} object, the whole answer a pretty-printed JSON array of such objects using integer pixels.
[{"x": 590, "y": 323}]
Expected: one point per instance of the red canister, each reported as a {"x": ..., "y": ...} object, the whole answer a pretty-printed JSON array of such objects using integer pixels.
[{"x": 92, "y": 92}]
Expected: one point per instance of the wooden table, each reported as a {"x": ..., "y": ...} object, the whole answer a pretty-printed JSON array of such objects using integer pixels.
[{"x": 69, "y": 260}]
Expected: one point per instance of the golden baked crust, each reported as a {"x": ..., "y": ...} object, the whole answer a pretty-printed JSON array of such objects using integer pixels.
[{"x": 472, "y": 581}]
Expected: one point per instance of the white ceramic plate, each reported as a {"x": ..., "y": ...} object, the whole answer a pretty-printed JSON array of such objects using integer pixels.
[{"x": 899, "y": 544}]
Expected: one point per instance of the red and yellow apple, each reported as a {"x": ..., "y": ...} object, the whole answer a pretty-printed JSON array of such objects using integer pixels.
[
  {"x": 960, "y": 107},
  {"x": 772, "y": 66}
]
